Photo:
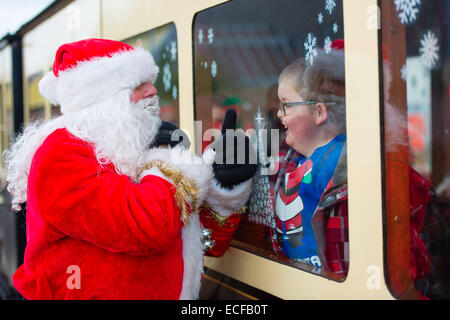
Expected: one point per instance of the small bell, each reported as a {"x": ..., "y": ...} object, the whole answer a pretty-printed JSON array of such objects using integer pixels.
[
  {"x": 208, "y": 245},
  {"x": 206, "y": 234}
]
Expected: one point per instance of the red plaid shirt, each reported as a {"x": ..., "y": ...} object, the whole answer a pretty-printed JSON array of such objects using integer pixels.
[
  {"x": 330, "y": 224},
  {"x": 330, "y": 221}
]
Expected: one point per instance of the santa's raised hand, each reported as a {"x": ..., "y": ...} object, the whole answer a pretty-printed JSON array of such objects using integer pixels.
[{"x": 235, "y": 160}]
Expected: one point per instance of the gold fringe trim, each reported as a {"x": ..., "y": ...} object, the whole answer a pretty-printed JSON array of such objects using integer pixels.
[
  {"x": 221, "y": 220},
  {"x": 186, "y": 188}
]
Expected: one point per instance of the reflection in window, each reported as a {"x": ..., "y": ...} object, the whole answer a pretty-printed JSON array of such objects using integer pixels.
[
  {"x": 416, "y": 60},
  {"x": 8, "y": 121},
  {"x": 239, "y": 55},
  {"x": 2, "y": 132},
  {"x": 36, "y": 101},
  {"x": 55, "y": 111},
  {"x": 162, "y": 44},
  {"x": 7, "y": 117}
]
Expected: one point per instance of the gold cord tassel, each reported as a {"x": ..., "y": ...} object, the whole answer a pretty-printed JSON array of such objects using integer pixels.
[{"x": 186, "y": 188}]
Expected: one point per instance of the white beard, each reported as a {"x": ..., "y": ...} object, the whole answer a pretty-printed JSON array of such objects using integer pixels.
[{"x": 119, "y": 130}]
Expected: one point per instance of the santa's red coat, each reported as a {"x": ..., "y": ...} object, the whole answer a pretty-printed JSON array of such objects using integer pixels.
[{"x": 94, "y": 234}]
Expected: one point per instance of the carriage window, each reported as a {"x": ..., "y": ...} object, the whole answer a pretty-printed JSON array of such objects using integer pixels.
[
  {"x": 415, "y": 61},
  {"x": 2, "y": 132},
  {"x": 6, "y": 122},
  {"x": 162, "y": 44},
  {"x": 7, "y": 116},
  {"x": 297, "y": 212},
  {"x": 36, "y": 100}
]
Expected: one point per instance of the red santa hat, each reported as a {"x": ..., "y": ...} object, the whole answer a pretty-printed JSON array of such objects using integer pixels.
[{"x": 89, "y": 71}]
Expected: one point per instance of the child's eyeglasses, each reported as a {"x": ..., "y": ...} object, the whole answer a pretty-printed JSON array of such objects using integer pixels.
[{"x": 284, "y": 105}]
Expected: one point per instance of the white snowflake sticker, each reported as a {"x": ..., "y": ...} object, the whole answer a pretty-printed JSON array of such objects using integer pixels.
[
  {"x": 200, "y": 36},
  {"x": 330, "y": 5},
  {"x": 214, "y": 69},
  {"x": 320, "y": 18},
  {"x": 167, "y": 77},
  {"x": 173, "y": 50},
  {"x": 335, "y": 27},
  {"x": 327, "y": 45},
  {"x": 210, "y": 35},
  {"x": 310, "y": 48},
  {"x": 429, "y": 50},
  {"x": 174, "y": 92},
  {"x": 407, "y": 10}
]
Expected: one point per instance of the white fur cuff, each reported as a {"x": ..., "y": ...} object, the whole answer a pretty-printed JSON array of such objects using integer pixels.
[
  {"x": 154, "y": 172},
  {"x": 196, "y": 168},
  {"x": 225, "y": 201}
]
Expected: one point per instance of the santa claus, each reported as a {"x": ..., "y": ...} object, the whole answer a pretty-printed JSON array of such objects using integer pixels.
[{"x": 107, "y": 217}]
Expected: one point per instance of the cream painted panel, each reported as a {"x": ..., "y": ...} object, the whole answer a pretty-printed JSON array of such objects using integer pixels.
[
  {"x": 78, "y": 20},
  {"x": 123, "y": 19},
  {"x": 364, "y": 143},
  {"x": 366, "y": 275}
]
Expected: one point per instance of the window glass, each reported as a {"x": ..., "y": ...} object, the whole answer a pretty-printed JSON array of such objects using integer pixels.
[
  {"x": 162, "y": 44},
  {"x": 2, "y": 132},
  {"x": 36, "y": 100},
  {"x": 8, "y": 120},
  {"x": 240, "y": 50},
  {"x": 416, "y": 114},
  {"x": 55, "y": 111}
]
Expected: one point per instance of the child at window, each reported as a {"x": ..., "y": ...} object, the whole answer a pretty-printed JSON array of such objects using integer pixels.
[{"x": 310, "y": 225}]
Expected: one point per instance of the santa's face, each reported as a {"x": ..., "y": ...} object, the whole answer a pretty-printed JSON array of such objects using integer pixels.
[
  {"x": 144, "y": 91},
  {"x": 120, "y": 129}
]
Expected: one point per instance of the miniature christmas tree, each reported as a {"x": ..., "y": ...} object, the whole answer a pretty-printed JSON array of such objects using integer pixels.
[{"x": 261, "y": 208}]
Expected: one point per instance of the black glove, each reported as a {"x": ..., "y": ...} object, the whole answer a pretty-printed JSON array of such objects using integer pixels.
[
  {"x": 227, "y": 170},
  {"x": 170, "y": 134}
]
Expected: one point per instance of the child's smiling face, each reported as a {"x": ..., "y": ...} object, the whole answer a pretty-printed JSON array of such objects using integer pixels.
[{"x": 299, "y": 120}]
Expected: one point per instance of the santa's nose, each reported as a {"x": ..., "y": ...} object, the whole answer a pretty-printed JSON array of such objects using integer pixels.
[{"x": 149, "y": 90}]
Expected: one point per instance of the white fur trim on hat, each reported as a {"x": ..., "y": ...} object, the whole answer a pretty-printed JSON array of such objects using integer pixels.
[{"x": 94, "y": 80}]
